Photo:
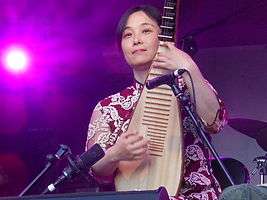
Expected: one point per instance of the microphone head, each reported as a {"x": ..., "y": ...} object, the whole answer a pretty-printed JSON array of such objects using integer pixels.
[
  {"x": 148, "y": 85},
  {"x": 179, "y": 72},
  {"x": 90, "y": 157},
  {"x": 62, "y": 152},
  {"x": 160, "y": 80}
]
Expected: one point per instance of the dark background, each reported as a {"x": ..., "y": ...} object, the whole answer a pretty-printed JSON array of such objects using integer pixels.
[{"x": 76, "y": 63}]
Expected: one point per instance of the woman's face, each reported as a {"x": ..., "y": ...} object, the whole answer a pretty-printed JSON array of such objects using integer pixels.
[{"x": 140, "y": 40}]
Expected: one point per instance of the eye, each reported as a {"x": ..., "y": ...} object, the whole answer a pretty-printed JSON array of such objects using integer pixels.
[
  {"x": 127, "y": 35},
  {"x": 147, "y": 30}
]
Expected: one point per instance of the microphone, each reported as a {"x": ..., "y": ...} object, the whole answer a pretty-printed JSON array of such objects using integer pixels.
[
  {"x": 79, "y": 165},
  {"x": 165, "y": 79}
]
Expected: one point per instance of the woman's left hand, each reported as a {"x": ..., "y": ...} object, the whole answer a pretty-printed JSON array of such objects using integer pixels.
[{"x": 171, "y": 58}]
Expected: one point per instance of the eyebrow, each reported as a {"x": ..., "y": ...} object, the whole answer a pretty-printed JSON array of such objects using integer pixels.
[{"x": 143, "y": 24}]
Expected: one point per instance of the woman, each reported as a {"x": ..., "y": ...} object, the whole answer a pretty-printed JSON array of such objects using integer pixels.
[{"x": 138, "y": 32}]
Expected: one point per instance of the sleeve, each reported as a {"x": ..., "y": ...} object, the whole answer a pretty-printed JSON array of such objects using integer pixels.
[
  {"x": 220, "y": 119},
  {"x": 98, "y": 130}
]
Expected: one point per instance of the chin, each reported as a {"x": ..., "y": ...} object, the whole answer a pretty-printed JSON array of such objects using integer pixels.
[{"x": 141, "y": 62}]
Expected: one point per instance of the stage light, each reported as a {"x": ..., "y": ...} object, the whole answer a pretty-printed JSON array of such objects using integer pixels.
[{"x": 16, "y": 59}]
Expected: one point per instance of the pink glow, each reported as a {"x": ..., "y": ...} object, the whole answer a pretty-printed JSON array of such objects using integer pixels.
[{"x": 16, "y": 59}]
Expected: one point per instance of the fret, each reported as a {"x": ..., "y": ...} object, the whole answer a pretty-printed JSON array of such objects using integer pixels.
[
  {"x": 156, "y": 130},
  {"x": 166, "y": 36},
  {"x": 169, "y": 8},
  {"x": 156, "y": 145},
  {"x": 166, "y": 17},
  {"x": 157, "y": 138},
  {"x": 155, "y": 149},
  {"x": 170, "y": 4},
  {"x": 169, "y": 14},
  {"x": 167, "y": 27},
  {"x": 168, "y": 23},
  {"x": 154, "y": 154},
  {"x": 159, "y": 99},
  {"x": 157, "y": 142},
  {"x": 155, "y": 122},
  {"x": 158, "y": 104},
  {"x": 163, "y": 91},
  {"x": 162, "y": 109},
  {"x": 166, "y": 40},
  {"x": 167, "y": 32},
  {"x": 155, "y": 117}
]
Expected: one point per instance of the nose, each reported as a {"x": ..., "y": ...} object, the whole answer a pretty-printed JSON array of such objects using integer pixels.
[{"x": 137, "y": 39}]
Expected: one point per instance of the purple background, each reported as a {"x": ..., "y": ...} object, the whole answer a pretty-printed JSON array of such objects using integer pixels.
[{"x": 75, "y": 63}]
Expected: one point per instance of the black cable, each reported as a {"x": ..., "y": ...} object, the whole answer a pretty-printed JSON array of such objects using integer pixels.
[{"x": 193, "y": 90}]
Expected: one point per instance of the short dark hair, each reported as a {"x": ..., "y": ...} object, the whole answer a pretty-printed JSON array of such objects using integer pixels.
[{"x": 150, "y": 11}]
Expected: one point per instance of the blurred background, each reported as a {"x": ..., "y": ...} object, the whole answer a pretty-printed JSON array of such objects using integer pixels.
[{"x": 59, "y": 58}]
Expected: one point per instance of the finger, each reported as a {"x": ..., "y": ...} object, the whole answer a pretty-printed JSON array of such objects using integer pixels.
[
  {"x": 169, "y": 45},
  {"x": 129, "y": 134},
  {"x": 159, "y": 64},
  {"x": 140, "y": 156},
  {"x": 160, "y": 58},
  {"x": 139, "y": 152},
  {"x": 163, "y": 43},
  {"x": 138, "y": 145},
  {"x": 142, "y": 144},
  {"x": 132, "y": 139}
]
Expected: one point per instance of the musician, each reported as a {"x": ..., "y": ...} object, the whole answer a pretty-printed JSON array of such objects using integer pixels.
[{"x": 138, "y": 31}]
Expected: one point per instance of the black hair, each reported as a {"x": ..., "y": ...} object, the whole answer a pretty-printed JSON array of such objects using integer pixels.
[{"x": 150, "y": 11}]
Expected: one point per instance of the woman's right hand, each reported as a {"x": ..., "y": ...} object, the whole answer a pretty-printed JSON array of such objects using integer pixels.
[{"x": 130, "y": 146}]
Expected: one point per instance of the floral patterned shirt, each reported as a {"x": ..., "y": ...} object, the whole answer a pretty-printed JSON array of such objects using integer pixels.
[{"x": 112, "y": 116}]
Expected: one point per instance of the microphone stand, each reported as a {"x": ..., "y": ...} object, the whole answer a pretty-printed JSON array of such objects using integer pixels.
[
  {"x": 67, "y": 173},
  {"x": 262, "y": 167},
  {"x": 185, "y": 102},
  {"x": 51, "y": 159}
]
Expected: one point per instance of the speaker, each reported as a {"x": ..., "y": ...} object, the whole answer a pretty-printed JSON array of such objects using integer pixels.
[{"x": 159, "y": 194}]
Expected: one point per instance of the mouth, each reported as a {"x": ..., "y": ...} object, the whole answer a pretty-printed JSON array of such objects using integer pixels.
[{"x": 139, "y": 51}]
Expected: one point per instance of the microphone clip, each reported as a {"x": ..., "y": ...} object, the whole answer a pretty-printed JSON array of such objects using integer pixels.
[{"x": 61, "y": 153}]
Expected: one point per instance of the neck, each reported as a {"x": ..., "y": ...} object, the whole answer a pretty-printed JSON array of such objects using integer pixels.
[{"x": 140, "y": 73}]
